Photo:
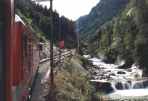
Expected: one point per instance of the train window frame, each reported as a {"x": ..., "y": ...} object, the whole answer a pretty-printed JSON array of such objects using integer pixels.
[{"x": 2, "y": 51}]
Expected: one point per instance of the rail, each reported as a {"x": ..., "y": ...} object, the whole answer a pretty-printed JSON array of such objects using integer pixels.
[{"x": 56, "y": 57}]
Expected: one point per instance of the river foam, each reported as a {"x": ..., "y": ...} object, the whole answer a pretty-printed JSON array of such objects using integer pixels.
[{"x": 130, "y": 92}]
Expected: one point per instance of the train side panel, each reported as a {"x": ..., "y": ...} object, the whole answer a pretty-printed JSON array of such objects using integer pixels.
[
  {"x": 25, "y": 60},
  {"x": 17, "y": 58}
]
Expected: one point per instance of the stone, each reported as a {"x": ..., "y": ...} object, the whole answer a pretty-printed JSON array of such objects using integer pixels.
[
  {"x": 103, "y": 86},
  {"x": 121, "y": 72},
  {"x": 119, "y": 86}
]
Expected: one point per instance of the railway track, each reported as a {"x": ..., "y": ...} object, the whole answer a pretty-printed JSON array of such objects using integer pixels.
[{"x": 56, "y": 57}]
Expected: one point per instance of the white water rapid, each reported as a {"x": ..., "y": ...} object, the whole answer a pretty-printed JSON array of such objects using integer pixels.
[{"x": 124, "y": 82}]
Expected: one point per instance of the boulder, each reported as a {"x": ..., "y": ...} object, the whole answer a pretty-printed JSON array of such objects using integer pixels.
[
  {"x": 121, "y": 72},
  {"x": 103, "y": 86}
]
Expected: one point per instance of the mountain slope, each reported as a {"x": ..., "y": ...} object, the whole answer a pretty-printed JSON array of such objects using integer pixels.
[
  {"x": 104, "y": 11},
  {"x": 125, "y": 37},
  {"x": 39, "y": 19}
]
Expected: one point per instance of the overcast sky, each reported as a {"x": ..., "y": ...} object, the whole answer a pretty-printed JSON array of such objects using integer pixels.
[{"x": 72, "y": 9}]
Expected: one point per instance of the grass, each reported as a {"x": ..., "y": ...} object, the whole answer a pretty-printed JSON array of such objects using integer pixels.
[{"x": 72, "y": 82}]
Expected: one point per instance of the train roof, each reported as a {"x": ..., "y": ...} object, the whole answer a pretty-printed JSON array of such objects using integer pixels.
[
  {"x": 18, "y": 19},
  {"x": 27, "y": 29}
]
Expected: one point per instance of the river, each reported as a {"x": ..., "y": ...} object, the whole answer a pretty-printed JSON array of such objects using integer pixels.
[{"x": 125, "y": 83}]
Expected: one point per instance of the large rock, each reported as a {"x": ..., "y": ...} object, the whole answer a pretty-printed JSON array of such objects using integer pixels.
[
  {"x": 103, "y": 86},
  {"x": 141, "y": 84}
]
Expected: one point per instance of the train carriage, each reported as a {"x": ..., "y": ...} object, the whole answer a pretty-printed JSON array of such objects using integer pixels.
[
  {"x": 26, "y": 60},
  {"x": 19, "y": 55}
]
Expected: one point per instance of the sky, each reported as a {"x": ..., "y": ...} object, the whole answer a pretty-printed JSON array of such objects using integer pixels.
[{"x": 72, "y": 9}]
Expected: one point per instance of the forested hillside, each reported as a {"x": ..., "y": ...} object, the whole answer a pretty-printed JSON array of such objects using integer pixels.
[
  {"x": 39, "y": 19},
  {"x": 125, "y": 37},
  {"x": 104, "y": 11}
]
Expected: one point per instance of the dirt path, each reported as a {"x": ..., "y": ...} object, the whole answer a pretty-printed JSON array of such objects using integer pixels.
[{"x": 39, "y": 90}]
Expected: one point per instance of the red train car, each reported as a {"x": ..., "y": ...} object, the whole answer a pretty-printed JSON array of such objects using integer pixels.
[
  {"x": 19, "y": 55},
  {"x": 25, "y": 60}
]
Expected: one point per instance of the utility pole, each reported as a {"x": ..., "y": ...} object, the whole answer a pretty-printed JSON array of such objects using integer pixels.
[
  {"x": 78, "y": 43},
  {"x": 59, "y": 40},
  {"x": 51, "y": 46}
]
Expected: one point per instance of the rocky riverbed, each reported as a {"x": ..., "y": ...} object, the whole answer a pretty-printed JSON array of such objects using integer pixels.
[{"x": 116, "y": 81}]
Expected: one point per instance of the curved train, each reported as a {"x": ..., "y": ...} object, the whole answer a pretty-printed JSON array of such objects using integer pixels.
[{"x": 19, "y": 55}]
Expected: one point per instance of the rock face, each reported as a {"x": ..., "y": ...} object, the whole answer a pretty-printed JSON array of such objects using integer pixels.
[{"x": 44, "y": 53}]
